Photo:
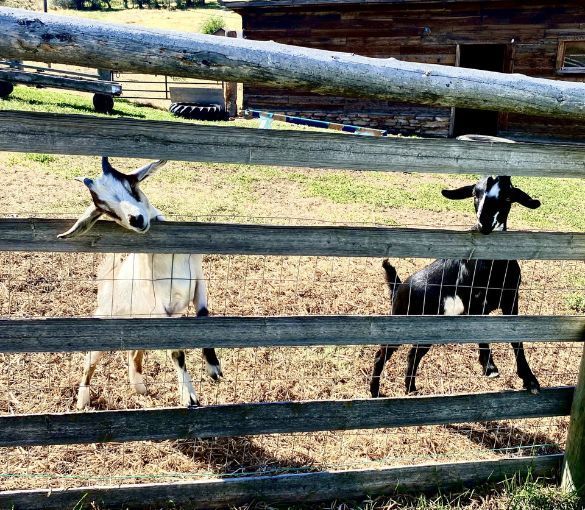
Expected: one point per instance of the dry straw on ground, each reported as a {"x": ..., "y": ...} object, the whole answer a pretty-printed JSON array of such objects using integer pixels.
[{"x": 58, "y": 285}]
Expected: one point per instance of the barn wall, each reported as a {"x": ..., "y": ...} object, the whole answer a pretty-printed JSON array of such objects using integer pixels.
[{"x": 532, "y": 29}]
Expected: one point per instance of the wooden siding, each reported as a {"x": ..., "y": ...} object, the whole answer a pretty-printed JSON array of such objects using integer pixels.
[{"x": 531, "y": 29}]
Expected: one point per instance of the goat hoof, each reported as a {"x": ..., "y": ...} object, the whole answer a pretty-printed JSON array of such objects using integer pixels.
[
  {"x": 83, "y": 398},
  {"x": 533, "y": 387},
  {"x": 375, "y": 389},
  {"x": 194, "y": 404},
  {"x": 492, "y": 372},
  {"x": 214, "y": 371},
  {"x": 138, "y": 384}
]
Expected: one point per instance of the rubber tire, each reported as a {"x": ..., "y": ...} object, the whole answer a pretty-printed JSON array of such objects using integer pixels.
[
  {"x": 210, "y": 112},
  {"x": 103, "y": 103},
  {"x": 6, "y": 88}
]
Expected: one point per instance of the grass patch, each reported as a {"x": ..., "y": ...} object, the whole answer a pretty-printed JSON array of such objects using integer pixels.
[
  {"x": 382, "y": 197},
  {"x": 529, "y": 494},
  {"x": 560, "y": 197},
  {"x": 187, "y": 20}
]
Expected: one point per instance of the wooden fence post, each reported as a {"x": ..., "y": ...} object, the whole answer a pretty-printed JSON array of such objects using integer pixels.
[
  {"x": 231, "y": 89},
  {"x": 574, "y": 463}
]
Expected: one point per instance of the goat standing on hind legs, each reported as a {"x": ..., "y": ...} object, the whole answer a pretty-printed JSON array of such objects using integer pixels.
[
  {"x": 463, "y": 287},
  {"x": 141, "y": 284}
]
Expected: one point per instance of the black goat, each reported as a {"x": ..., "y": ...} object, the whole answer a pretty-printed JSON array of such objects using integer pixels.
[{"x": 463, "y": 287}]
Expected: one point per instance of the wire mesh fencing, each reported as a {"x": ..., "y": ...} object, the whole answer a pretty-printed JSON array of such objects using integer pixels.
[{"x": 34, "y": 285}]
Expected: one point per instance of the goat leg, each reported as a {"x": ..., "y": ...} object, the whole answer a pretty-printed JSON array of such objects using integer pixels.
[{"x": 487, "y": 361}]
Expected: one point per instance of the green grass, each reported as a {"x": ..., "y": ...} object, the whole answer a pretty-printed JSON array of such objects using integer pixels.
[
  {"x": 188, "y": 20},
  {"x": 529, "y": 494},
  {"x": 372, "y": 196}
]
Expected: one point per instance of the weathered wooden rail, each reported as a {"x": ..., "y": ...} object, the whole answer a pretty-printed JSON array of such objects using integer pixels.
[
  {"x": 72, "y": 41},
  {"x": 37, "y": 234},
  {"x": 86, "y": 135},
  {"x": 311, "y": 487},
  {"x": 67, "y": 335},
  {"x": 44, "y": 37},
  {"x": 61, "y": 82},
  {"x": 279, "y": 417}
]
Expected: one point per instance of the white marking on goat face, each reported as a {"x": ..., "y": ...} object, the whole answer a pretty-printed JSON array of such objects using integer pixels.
[
  {"x": 124, "y": 203},
  {"x": 452, "y": 305},
  {"x": 494, "y": 191}
]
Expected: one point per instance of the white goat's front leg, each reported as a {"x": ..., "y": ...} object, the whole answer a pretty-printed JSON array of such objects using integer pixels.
[
  {"x": 135, "y": 371},
  {"x": 212, "y": 364},
  {"x": 92, "y": 358},
  {"x": 187, "y": 394}
]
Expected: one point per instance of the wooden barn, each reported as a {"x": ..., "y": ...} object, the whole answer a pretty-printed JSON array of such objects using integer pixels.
[{"x": 538, "y": 38}]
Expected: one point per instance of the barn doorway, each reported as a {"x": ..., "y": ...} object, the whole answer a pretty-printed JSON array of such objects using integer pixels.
[{"x": 487, "y": 57}]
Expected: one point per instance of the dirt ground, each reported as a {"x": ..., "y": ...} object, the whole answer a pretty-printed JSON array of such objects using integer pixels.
[{"x": 58, "y": 285}]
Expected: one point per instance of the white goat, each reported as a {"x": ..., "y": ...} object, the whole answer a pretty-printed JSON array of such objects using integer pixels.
[{"x": 141, "y": 284}]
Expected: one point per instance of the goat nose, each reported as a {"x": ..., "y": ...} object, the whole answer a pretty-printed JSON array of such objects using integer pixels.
[{"x": 137, "y": 221}]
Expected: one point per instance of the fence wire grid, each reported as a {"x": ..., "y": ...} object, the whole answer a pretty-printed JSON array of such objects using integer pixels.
[{"x": 34, "y": 285}]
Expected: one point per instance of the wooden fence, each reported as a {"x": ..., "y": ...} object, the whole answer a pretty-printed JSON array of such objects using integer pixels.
[{"x": 68, "y": 134}]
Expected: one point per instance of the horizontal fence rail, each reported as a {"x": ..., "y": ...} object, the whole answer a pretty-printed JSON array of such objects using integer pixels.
[
  {"x": 61, "y": 82},
  {"x": 44, "y": 37},
  {"x": 35, "y": 234},
  {"x": 308, "y": 487},
  {"x": 279, "y": 417},
  {"x": 67, "y": 335},
  {"x": 86, "y": 135}
]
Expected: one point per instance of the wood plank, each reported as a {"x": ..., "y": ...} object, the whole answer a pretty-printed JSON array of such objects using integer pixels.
[
  {"x": 278, "y": 417},
  {"x": 573, "y": 479},
  {"x": 61, "y": 82},
  {"x": 89, "y": 135},
  {"x": 83, "y": 334},
  {"x": 306, "y": 487},
  {"x": 70, "y": 40},
  {"x": 35, "y": 234}
]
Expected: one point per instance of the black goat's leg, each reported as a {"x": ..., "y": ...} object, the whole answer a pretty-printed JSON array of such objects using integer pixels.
[
  {"x": 486, "y": 360},
  {"x": 212, "y": 364},
  {"x": 523, "y": 369},
  {"x": 414, "y": 357},
  {"x": 384, "y": 354}
]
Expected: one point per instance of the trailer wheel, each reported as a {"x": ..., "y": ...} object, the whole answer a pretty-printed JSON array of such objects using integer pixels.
[
  {"x": 198, "y": 112},
  {"x": 103, "y": 103},
  {"x": 6, "y": 88}
]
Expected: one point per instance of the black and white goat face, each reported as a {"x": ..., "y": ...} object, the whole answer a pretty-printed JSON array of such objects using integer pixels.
[
  {"x": 118, "y": 196},
  {"x": 492, "y": 197}
]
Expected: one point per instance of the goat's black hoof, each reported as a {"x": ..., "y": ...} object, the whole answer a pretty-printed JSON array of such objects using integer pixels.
[
  {"x": 194, "y": 404},
  {"x": 533, "y": 387},
  {"x": 491, "y": 372},
  {"x": 375, "y": 390}
]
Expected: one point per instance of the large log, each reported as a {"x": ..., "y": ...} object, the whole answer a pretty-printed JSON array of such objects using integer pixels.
[{"x": 36, "y": 36}]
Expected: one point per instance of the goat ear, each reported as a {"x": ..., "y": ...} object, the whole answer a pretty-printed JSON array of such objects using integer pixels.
[
  {"x": 107, "y": 168},
  {"x": 148, "y": 170},
  {"x": 83, "y": 224},
  {"x": 87, "y": 181},
  {"x": 524, "y": 199},
  {"x": 459, "y": 193}
]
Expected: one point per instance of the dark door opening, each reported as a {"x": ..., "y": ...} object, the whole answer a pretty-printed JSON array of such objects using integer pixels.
[{"x": 487, "y": 57}]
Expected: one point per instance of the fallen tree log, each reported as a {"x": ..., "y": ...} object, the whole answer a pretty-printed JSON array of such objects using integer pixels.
[{"x": 45, "y": 37}]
